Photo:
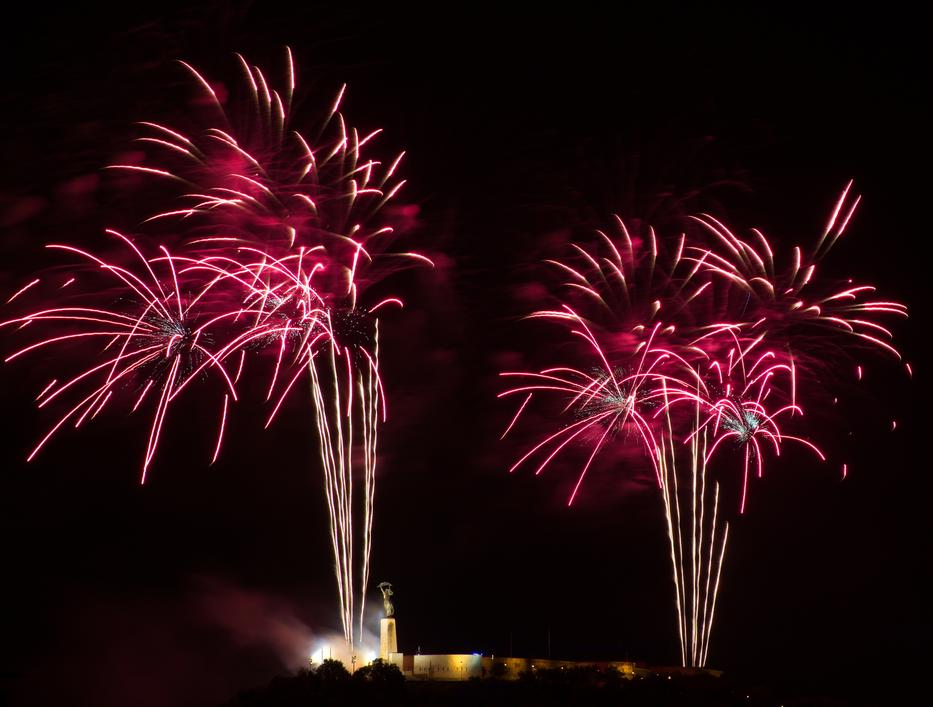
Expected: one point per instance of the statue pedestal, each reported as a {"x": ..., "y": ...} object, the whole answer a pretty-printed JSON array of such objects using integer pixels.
[{"x": 388, "y": 641}]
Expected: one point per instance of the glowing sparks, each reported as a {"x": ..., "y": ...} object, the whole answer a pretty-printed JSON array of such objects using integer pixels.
[
  {"x": 716, "y": 381},
  {"x": 154, "y": 334},
  {"x": 697, "y": 534},
  {"x": 282, "y": 237}
]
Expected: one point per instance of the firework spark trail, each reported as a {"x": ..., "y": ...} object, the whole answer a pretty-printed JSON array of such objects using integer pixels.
[
  {"x": 619, "y": 291},
  {"x": 278, "y": 237},
  {"x": 695, "y": 539},
  {"x": 629, "y": 386},
  {"x": 337, "y": 407},
  {"x": 247, "y": 182},
  {"x": 813, "y": 316},
  {"x": 369, "y": 393},
  {"x": 290, "y": 221},
  {"x": 156, "y": 338},
  {"x": 287, "y": 306},
  {"x": 717, "y": 329},
  {"x": 748, "y": 392}
]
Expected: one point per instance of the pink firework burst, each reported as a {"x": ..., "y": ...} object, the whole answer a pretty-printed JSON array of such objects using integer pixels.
[
  {"x": 748, "y": 391},
  {"x": 247, "y": 176},
  {"x": 628, "y": 306},
  {"x": 279, "y": 236},
  {"x": 301, "y": 224},
  {"x": 145, "y": 333},
  {"x": 817, "y": 319}
]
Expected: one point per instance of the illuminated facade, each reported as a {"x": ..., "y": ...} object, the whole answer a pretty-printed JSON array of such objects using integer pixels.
[
  {"x": 464, "y": 666},
  {"x": 459, "y": 666}
]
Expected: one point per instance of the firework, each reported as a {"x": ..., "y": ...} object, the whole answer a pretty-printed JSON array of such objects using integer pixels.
[
  {"x": 641, "y": 337},
  {"x": 298, "y": 223},
  {"x": 746, "y": 395},
  {"x": 145, "y": 332},
  {"x": 627, "y": 304},
  {"x": 278, "y": 237},
  {"x": 697, "y": 534},
  {"x": 694, "y": 355},
  {"x": 348, "y": 406},
  {"x": 816, "y": 319}
]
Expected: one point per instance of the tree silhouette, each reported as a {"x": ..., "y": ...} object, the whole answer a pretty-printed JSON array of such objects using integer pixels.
[
  {"x": 380, "y": 672},
  {"x": 331, "y": 671}
]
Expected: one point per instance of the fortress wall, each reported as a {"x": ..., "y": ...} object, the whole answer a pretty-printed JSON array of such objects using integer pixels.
[{"x": 451, "y": 666}]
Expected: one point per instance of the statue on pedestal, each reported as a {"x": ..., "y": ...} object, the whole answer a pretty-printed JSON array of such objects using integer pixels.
[{"x": 386, "y": 590}]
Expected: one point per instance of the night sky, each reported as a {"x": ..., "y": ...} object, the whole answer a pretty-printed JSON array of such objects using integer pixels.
[{"x": 522, "y": 127}]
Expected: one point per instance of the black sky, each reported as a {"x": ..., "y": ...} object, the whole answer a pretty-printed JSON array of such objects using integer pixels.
[{"x": 519, "y": 124}]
